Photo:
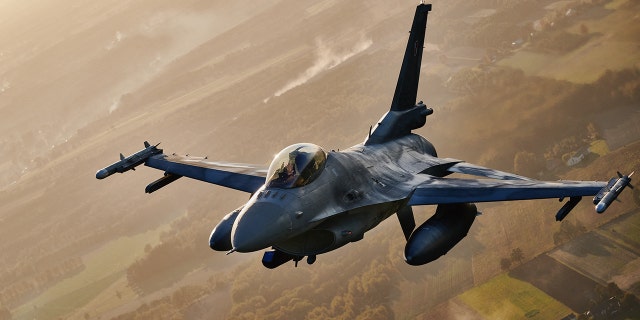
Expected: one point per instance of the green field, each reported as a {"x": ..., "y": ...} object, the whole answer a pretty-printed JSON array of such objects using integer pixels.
[{"x": 504, "y": 297}]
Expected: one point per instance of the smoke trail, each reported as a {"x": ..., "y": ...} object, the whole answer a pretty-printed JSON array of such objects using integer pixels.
[{"x": 326, "y": 58}]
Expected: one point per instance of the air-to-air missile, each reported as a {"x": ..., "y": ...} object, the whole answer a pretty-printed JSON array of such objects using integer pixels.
[
  {"x": 608, "y": 194},
  {"x": 130, "y": 162}
]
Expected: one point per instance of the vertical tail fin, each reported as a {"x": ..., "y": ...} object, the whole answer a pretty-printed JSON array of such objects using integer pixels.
[
  {"x": 405, "y": 114},
  {"x": 407, "y": 87}
]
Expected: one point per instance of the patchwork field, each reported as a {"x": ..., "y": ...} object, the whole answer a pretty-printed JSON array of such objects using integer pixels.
[
  {"x": 452, "y": 309},
  {"x": 609, "y": 254},
  {"x": 612, "y": 45},
  {"x": 505, "y": 297},
  {"x": 625, "y": 230},
  {"x": 595, "y": 256},
  {"x": 558, "y": 281},
  {"x": 565, "y": 280}
]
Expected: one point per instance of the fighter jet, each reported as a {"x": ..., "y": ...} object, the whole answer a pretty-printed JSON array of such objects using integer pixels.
[{"x": 310, "y": 201}]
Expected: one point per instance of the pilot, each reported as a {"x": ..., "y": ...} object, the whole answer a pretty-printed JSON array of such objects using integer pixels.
[
  {"x": 290, "y": 169},
  {"x": 287, "y": 173}
]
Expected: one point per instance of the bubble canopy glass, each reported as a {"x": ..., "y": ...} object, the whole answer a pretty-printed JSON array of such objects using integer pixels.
[{"x": 296, "y": 166}]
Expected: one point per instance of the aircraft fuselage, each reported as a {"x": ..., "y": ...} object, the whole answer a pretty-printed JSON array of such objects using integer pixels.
[{"x": 357, "y": 189}]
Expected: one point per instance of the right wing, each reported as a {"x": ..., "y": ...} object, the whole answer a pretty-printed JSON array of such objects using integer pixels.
[{"x": 243, "y": 177}]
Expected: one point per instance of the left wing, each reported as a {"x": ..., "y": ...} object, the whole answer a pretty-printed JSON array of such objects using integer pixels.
[
  {"x": 475, "y": 170},
  {"x": 451, "y": 190},
  {"x": 431, "y": 187},
  {"x": 500, "y": 186}
]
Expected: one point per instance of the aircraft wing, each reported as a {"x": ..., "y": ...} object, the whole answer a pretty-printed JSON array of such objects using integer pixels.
[
  {"x": 475, "y": 170},
  {"x": 243, "y": 177},
  {"x": 435, "y": 190}
]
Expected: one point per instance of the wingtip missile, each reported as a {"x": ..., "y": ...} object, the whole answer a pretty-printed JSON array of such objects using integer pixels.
[
  {"x": 103, "y": 173},
  {"x": 608, "y": 194},
  {"x": 129, "y": 163}
]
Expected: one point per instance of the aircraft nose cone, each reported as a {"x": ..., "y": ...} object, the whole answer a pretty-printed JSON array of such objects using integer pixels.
[{"x": 260, "y": 226}]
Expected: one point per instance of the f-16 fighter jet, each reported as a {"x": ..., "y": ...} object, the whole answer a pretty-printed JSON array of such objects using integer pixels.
[{"x": 310, "y": 201}]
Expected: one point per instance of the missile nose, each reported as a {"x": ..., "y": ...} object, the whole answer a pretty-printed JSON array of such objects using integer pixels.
[
  {"x": 101, "y": 174},
  {"x": 601, "y": 207},
  {"x": 260, "y": 226}
]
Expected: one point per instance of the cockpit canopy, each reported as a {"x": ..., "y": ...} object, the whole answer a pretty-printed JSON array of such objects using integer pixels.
[{"x": 296, "y": 166}]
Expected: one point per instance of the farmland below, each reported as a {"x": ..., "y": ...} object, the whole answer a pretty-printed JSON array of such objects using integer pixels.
[{"x": 524, "y": 86}]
